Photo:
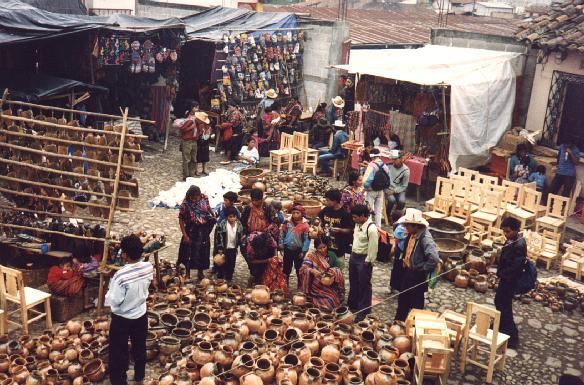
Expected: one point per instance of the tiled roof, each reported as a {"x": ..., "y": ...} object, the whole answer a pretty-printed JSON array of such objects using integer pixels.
[
  {"x": 561, "y": 26},
  {"x": 401, "y": 23}
]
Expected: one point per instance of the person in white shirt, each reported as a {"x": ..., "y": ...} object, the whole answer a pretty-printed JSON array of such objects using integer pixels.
[
  {"x": 363, "y": 255},
  {"x": 228, "y": 233},
  {"x": 127, "y": 294},
  {"x": 249, "y": 154}
]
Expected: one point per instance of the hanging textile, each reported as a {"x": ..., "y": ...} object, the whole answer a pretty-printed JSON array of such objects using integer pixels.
[{"x": 160, "y": 107}]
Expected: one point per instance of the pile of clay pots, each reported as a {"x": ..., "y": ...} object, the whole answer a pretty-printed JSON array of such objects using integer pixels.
[
  {"x": 472, "y": 270},
  {"x": 71, "y": 355},
  {"x": 557, "y": 296},
  {"x": 213, "y": 333}
]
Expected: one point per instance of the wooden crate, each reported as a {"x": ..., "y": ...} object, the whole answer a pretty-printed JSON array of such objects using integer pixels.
[{"x": 65, "y": 308}]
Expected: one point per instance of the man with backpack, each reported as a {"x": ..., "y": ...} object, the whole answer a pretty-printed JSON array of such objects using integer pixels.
[
  {"x": 399, "y": 176},
  {"x": 375, "y": 181}
]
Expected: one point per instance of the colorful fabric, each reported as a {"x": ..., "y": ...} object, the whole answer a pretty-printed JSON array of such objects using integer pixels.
[
  {"x": 400, "y": 233},
  {"x": 416, "y": 171},
  {"x": 160, "y": 107},
  {"x": 274, "y": 276},
  {"x": 257, "y": 220},
  {"x": 294, "y": 236},
  {"x": 352, "y": 198},
  {"x": 197, "y": 213},
  {"x": 237, "y": 120},
  {"x": 293, "y": 108},
  {"x": 328, "y": 297},
  {"x": 409, "y": 250},
  {"x": 64, "y": 283}
]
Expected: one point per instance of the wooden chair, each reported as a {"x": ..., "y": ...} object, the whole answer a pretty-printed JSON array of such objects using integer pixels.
[
  {"x": 420, "y": 314},
  {"x": 487, "y": 179},
  {"x": 441, "y": 208},
  {"x": 13, "y": 290},
  {"x": 494, "y": 235},
  {"x": 556, "y": 214},
  {"x": 460, "y": 213},
  {"x": 481, "y": 338},
  {"x": 443, "y": 188},
  {"x": 550, "y": 249},
  {"x": 512, "y": 194},
  {"x": 528, "y": 207},
  {"x": 534, "y": 241},
  {"x": 310, "y": 161},
  {"x": 285, "y": 155},
  {"x": 477, "y": 233},
  {"x": 456, "y": 324},
  {"x": 573, "y": 261},
  {"x": 467, "y": 173},
  {"x": 2, "y": 323},
  {"x": 300, "y": 143},
  {"x": 432, "y": 359},
  {"x": 460, "y": 185},
  {"x": 474, "y": 195},
  {"x": 490, "y": 211}
]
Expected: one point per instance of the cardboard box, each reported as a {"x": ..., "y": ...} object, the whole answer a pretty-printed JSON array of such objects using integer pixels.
[{"x": 509, "y": 141}]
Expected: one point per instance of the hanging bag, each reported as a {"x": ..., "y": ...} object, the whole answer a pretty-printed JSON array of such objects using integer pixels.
[{"x": 528, "y": 278}]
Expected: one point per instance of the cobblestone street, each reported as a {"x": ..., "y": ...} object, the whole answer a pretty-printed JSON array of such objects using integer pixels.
[{"x": 551, "y": 343}]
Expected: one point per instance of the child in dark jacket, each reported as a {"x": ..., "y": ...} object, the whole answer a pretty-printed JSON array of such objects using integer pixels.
[
  {"x": 294, "y": 240},
  {"x": 228, "y": 234}
]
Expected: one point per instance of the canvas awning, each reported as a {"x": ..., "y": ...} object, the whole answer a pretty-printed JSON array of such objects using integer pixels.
[
  {"x": 33, "y": 87},
  {"x": 211, "y": 24},
  {"x": 482, "y": 94}
]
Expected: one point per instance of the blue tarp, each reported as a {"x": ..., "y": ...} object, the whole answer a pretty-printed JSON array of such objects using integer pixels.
[{"x": 211, "y": 24}]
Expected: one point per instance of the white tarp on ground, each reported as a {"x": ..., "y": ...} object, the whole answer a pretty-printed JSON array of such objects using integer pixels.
[{"x": 482, "y": 90}]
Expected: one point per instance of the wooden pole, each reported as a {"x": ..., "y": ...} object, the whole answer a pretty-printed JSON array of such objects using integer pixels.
[
  {"x": 88, "y": 113},
  {"x": 56, "y": 215},
  {"x": 62, "y": 188},
  {"x": 51, "y": 232},
  {"x": 66, "y": 127},
  {"x": 111, "y": 212},
  {"x": 69, "y": 173},
  {"x": 66, "y": 141},
  {"x": 57, "y": 155}
]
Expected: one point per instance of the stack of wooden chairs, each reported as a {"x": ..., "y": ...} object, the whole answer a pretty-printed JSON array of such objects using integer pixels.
[
  {"x": 479, "y": 203},
  {"x": 294, "y": 151}
]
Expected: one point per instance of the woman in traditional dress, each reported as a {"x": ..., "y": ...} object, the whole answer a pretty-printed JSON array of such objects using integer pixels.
[
  {"x": 315, "y": 265},
  {"x": 353, "y": 194},
  {"x": 196, "y": 221},
  {"x": 65, "y": 280},
  {"x": 265, "y": 265}
]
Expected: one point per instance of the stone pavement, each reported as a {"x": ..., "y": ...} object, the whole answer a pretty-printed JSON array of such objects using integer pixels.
[{"x": 551, "y": 343}]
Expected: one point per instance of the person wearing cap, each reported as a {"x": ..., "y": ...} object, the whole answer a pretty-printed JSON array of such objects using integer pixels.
[
  {"x": 363, "y": 255},
  {"x": 189, "y": 137},
  {"x": 334, "y": 111},
  {"x": 419, "y": 259},
  {"x": 399, "y": 176},
  {"x": 374, "y": 192},
  {"x": 204, "y": 132},
  {"x": 335, "y": 151},
  {"x": 294, "y": 241}
]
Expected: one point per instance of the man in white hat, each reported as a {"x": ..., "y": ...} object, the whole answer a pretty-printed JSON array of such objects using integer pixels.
[
  {"x": 334, "y": 111},
  {"x": 419, "y": 259},
  {"x": 335, "y": 151}
]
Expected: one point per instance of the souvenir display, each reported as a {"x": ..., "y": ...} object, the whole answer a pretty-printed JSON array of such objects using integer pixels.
[{"x": 255, "y": 64}]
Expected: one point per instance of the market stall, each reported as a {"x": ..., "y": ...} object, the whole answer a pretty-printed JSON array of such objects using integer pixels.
[{"x": 469, "y": 92}]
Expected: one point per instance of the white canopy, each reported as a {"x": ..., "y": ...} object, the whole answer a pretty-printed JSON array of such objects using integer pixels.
[{"x": 482, "y": 90}]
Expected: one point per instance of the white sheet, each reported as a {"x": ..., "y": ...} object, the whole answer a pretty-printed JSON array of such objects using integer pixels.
[{"x": 482, "y": 90}]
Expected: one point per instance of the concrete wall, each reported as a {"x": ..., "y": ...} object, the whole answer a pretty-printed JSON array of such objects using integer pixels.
[
  {"x": 163, "y": 10},
  {"x": 524, "y": 67},
  {"x": 322, "y": 49}
]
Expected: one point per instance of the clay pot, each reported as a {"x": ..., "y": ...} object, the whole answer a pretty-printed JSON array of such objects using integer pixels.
[
  {"x": 388, "y": 354},
  {"x": 4, "y": 363},
  {"x": 253, "y": 321},
  {"x": 209, "y": 369},
  {"x": 334, "y": 370},
  {"x": 166, "y": 379},
  {"x": 20, "y": 374},
  {"x": 81, "y": 380},
  {"x": 183, "y": 335},
  {"x": 311, "y": 376},
  {"x": 385, "y": 375},
  {"x": 301, "y": 322},
  {"x": 383, "y": 341},
  {"x": 265, "y": 370},
  {"x": 219, "y": 259},
  {"x": 202, "y": 353},
  {"x": 368, "y": 339},
  {"x": 402, "y": 365},
  {"x": 369, "y": 362},
  {"x": 224, "y": 356},
  {"x": 34, "y": 378},
  {"x": 242, "y": 364},
  {"x": 397, "y": 329},
  {"x": 462, "y": 279},
  {"x": 355, "y": 380},
  {"x": 481, "y": 285},
  {"x": 299, "y": 299},
  {"x": 207, "y": 381},
  {"x": 260, "y": 295},
  {"x": 343, "y": 315},
  {"x": 251, "y": 379},
  {"x": 330, "y": 353},
  {"x": 94, "y": 370},
  {"x": 301, "y": 351},
  {"x": 169, "y": 320},
  {"x": 71, "y": 354},
  {"x": 402, "y": 343},
  {"x": 192, "y": 371},
  {"x": 61, "y": 364},
  {"x": 286, "y": 372},
  {"x": 312, "y": 343},
  {"x": 327, "y": 279},
  {"x": 58, "y": 343},
  {"x": 85, "y": 356},
  {"x": 75, "y": 370},
  {"x": 74, "y": 327},
  {"x": 52, "y": 376},
  {"x": 168, "y": 345}
]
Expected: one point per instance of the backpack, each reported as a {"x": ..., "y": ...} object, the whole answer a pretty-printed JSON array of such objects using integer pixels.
[
  {"x": 381, "y": 180},
  {"x": 528, "y": 278}
]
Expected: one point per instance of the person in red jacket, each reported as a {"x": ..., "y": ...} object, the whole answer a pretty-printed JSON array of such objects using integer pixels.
[
  {"x": 189, "y": 138},
  {"x": 64, "y": 280}
]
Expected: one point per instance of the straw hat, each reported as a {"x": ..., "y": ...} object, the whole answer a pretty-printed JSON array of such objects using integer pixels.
[
  {"x": 413, "y": 216},
  {"x": 202, "y": 116},
  {"x": 271, "y": 93},
  {"x": 338, "y": 102}
]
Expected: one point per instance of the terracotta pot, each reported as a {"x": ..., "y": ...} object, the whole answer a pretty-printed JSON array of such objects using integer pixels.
[
  {"x": 311, "y": 376},
  {"x": 253, "y": 321},
  {"x": 292, "y": 334},
  {"x": 74, "y": 327},
  {"x": 251, "y": 379},
  {"x": 183, "y": 378},
  {"x": 388, "y": 354},
  {"x": 166, "y": 379},
  {"x": 299, "y": 299},
  {"x": 312, "y": 343},
  {"x": 356, "y": 380},
  {"x": 169, "y": 320},
  {"x": 301, "y": 350},
  {"x": 316, "y": 362},
  {"x": 369, "y": 362},
  {"x": 344, "y": 315},
  {"x": 397, "y": 329},
  {"x": 327, "y": 279},
  {"x": 209, "y": 369},
  {"x": 4, "y": 363},
  {"x": 81, "y": 380},
  {"x": 168, "y": 345},
  {"x": 403, "y": 365},
  {"x": 71, "y": 354},
  {"x": 202, "y": 353},
  {"x": 85, "y": 356},
  {"x": 265, "y": 370},
  {"x": 286, "y": 372},
  {"x": 462, "y": 279},
  {"x": 481, "y": 285},
  {"x": 242, "y": 364},
  {"x": 34, "y": 378},
  {"x": 94, "y": 370},
  {"x": 20, "y": 374},
  {"x": 207, "y": 381},
  {"x": 385, "y": 375},
  {"x": 75, "y": 370},
  {"x": 333, "y": 370},
  {"x": 219, "y": 259},
  {"x": 183, "y": 335},
  {"x": 248, "y": 347},
  {"x": 193, "y": 371},
  {"x": 62, "y": 364},
  {"x": 224, "y": 356},
  {"x": 370, "y": 379},
  {"x": 101, "y": 323},
  {"x": 52, "y": 376},
  {"x": 330, "y": 353},
  {"x": 368, "y": 339},
  {"x": 301, "y": 322},
  {"x": 329, "y": 379},
  {"x": 402, "y": 343},
  {"x": 260, "y": 295}
]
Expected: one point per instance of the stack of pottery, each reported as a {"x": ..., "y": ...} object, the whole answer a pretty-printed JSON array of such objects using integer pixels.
[
  {"x": 558, "y": 296},
  {"x": 256, "y": 337},
  {"x": 73, "y": 354}
]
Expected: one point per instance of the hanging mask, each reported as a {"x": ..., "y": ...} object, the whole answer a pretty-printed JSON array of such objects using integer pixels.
[
  {"x": 268, "y": 75},
  {"x": 297, "y": 48},
  {"x": 251, "y": 41},
  {"x": 289, "y": 36},
  {"x": 224, "y": 69},
  {"x": 263, "y": 75},
  {"x": 274, "y": 38},
  {"x": 159, "y": 57},
  {"x": 135, "y": 45},
  {"x": 173, "y": 55},
  {"x": 225, "y": 49},
  {"x": 276, "y": 66},
  {"x": 225, "y": 38},
  {"x": 255, "y": 58}
]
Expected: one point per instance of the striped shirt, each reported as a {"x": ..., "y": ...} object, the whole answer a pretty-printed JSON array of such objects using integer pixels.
[{"x": 128, "y": 290}]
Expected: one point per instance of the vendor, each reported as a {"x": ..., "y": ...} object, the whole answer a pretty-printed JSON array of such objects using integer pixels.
[
  {"x": 321, "y": 132},
  {"x": 354, "y": 193},
  {"x": 64, "y": 279},
  {"x": 568, "y": 158},
  {"x": 266, "y": 266},
  {"x": 336, "y": 151},
  {"x": 334, "y": 111},
  {"x": 419, "y": 259},
  {"x": 315, "y": 266},
  {"x": 399, "y": 177},
  {"x": 249, "y": 155},
  {"x": 337, "y": 223},
  {"x": 233, "y": 131},
  {"x": 521, "y": 152},
  {"x": 292, "y": 111}
]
